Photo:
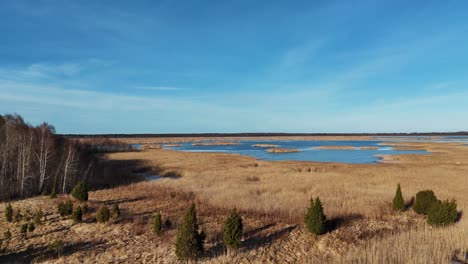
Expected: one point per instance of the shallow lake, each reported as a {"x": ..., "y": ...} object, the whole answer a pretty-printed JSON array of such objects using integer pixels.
[{"x": 308, "y": 150}]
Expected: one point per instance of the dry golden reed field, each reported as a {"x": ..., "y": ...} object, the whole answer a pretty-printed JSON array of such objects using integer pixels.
[{"x": 272, "y": 197}]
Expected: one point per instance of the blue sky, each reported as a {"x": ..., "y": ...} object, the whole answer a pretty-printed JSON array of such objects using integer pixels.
[{"x": 235, "y": 66}]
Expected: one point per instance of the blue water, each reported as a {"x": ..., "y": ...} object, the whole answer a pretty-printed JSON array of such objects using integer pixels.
[
  {"x": 308, "y": 151},
  {"x": 442, "y": 139}
]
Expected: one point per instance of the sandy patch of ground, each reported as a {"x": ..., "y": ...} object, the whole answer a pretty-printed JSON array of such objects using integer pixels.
[{"x": 282, "y": 150}]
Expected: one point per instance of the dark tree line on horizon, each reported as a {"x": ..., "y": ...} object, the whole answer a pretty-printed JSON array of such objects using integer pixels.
[
  {"x": 416, "y": 134},
  {"x": 34, "y": 160}
]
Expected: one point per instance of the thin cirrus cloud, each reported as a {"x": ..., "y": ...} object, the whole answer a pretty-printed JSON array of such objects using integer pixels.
[{"x": 160, "y": 88}]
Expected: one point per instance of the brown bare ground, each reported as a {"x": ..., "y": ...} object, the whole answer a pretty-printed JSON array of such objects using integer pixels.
[
  {"x": 337, "y": 147},
  {"x": 281, "y": 150},
  {"x": 272, "y": 196},
  {"x": 216, "y": 143}
]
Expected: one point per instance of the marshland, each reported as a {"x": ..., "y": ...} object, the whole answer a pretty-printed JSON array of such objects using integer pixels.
[{"x": 271, "y": 196}]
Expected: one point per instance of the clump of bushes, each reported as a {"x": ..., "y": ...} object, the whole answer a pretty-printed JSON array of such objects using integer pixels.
[
  {"x": 315, "y": 219},
  {"x": 233, "y": 230},
  {"x": 157, "y": 224},
  {"x": 173, "y": 195},
  {"x": 53, "y": 194},
  {"x": 438, "y": 213},
  {"x": 18, "y": 215},
  {"x": 57, "y": 247},
  {"x": 115, "y": 210},
  {"x": 6, "y": 239},
  {"x": 103, "y": 214},
  {"x": 442, "y": 213},
  {"x": 80, "y": 192},
  {"x": 31, "y": 227},
  {"x": 24, "y": 230},
  {"x": 7, "y": 235},
  {"x": 398, "y": 202},
  {"x": 38, "y": 217},
  {"x": 65, "y": 208},
  {"x": 77, "y": 215},
  {"x": 9, "y": 213},
  {"x": 424, "y": 201},
  {"x": 189, "y": 243}
]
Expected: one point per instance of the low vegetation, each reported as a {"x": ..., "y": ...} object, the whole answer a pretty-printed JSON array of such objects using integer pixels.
[
  {"x": 424, "y": 201},
  {"x": 442, "y": 213},
  {"x": 57, "y": 247},
  {"x": 233, "y": 230},
  {"x": 157, "y": 224},
  {"x": 115, "y": 210},
  {"x": 77, "y": 214},
  {"x": 103, "y": 214},
  {"x": 80, "y": 192},
  {"x": 315, "y": 219},
  {"x": 398, "y": 201},
  {"x": 65, "y": 208},
  {"x": 189, "y": 243},
  {"x": 9, "y": 213},
  {"x": 38, "y": 216}
]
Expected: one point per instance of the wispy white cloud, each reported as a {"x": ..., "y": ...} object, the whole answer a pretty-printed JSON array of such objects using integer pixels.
[
  {"x": 160, "y": 88},
  {"x": 41, "y": 71},
  {"x": 52, "y": 71}
]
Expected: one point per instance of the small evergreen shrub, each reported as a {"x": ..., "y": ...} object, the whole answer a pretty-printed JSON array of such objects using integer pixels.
[
  {"x": 168, "y": 223},
  {"x": 424, "y": 201},
  {"x": 27, "y": 215},
  {"x": 233, "y": 230},
  {"x": 7, "y": 235},
  {"x": 31, "y": 227},
  {"x": 24, "y": 229},
  {"x": 53, "y": 194},
  {"x": 103, "y": 214},
  {"x": 442, "y": 213},
  {"x": 57, "y": 247},
  {"x": 115, "y": 210},
  {"x": 65, "y": 208},
  {"x": 315, "y": 218},
  {"x": 189, "y": 243},
  {"x": 157, "y": 224},
  {"x": 38, "y": 217},
  {"x": 77, "y": 215},
  {"x": 80, "y": 192},
  {"x": 398, "y": 202},
  {"x": 9, "y": 213},
  {"x": 18, "y": 215}
]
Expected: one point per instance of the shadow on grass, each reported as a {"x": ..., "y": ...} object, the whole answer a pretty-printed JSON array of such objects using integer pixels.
[
  {"x": 257, "y": 230},
  {"x": 57, "y": 230},
  {"x": 409, "y": 204},
  {"x": 337, "y": 222},
  {"x": 459, "y": 216},
  {"x": 252, "y": 240},
  {"x": 34, "y": 254},
  {"x": 113, "y": 173},
  {"x": 124, "y": 200}
]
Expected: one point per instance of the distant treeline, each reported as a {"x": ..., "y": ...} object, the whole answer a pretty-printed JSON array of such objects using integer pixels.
[
  {"x": 34, "y": 160},
  {"x": 104, "y": 145},
  {"x": 424, "y": 134}
]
